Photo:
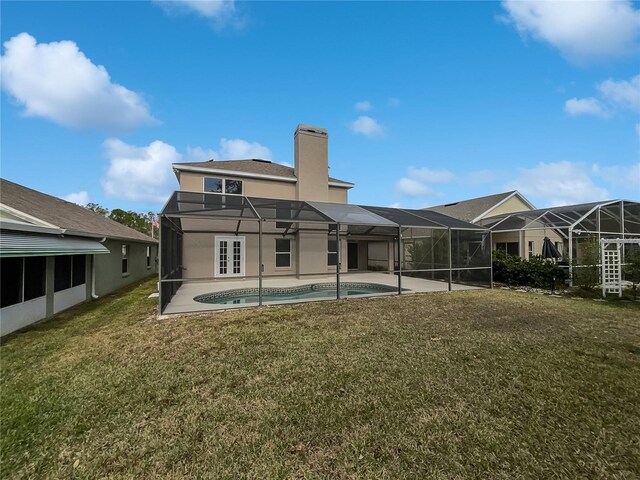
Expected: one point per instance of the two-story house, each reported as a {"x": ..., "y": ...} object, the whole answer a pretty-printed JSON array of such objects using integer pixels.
[
  {"x": 246, "y": 224},
  {"x": 284, "y": 245}
]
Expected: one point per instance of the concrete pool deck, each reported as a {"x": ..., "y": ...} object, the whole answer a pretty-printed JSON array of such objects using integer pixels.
[{"x": 183, "y": 301}]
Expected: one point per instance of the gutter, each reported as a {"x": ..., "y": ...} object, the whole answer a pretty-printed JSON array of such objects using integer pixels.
[{"x": 94, "y": 296}]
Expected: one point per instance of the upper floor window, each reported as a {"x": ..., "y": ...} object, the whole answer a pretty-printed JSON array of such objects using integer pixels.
[{"x": 222, "y": 185}]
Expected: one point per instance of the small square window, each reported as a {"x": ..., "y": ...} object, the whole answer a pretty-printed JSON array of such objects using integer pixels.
[
  {"x": 233, "y": 186},
  {"x": 212, "y": 185}
]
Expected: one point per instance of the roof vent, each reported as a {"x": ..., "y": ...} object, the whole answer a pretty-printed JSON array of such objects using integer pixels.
[
  {"x": 451, "y": 204},
  {"x": 260, "y": 160}
]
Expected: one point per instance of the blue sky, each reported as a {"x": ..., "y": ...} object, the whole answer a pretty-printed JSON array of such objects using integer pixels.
[{"x": 425, "y": 103}]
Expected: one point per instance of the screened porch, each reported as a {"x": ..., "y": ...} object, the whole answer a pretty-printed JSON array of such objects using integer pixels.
[{"x": 225, "y": 251}]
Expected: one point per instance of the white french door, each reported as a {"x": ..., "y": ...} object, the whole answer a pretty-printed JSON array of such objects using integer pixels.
[{"x": 229, "y": 257}]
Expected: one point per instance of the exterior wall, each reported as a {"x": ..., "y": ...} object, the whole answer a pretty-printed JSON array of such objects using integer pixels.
[
  {"x": 535, "y": 236},
  {"x": 338, "y": 195},
  {"x": 378, "y": 255},
  {"x": 109, "y": 276},
  {"x": 20, "y": 315},
  {"x": 514, "y": 204},
  {"x": 312, "y": 253},
  {"x": 308, "y": 254},
  {"x": 194, "y": 182},
  {"x": 69, "y": 297}
]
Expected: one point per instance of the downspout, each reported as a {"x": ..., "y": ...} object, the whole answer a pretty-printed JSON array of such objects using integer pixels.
[{"x": 94, "y": 296}]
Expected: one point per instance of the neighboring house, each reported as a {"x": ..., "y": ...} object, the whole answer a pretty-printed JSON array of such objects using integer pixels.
[
  {"x": 475, "y": 210},
  {"x": 56, "y": 254}
]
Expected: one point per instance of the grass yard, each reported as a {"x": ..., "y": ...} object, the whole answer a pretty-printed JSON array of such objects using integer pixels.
[{"x": 482, "y": 384}]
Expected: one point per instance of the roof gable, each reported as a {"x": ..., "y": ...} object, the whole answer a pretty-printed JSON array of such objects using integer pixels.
[
  {"x": 63, "y": 214},
  {"x": 474, "y": 209}
]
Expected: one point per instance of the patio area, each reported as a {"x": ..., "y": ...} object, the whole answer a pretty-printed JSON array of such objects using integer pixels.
[
  {"x": 183, "y": 300},
  {"x": 287, "y": 251}
]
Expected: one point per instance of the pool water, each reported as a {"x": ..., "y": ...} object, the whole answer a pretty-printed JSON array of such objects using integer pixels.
[{"x": 304, "y": 292}]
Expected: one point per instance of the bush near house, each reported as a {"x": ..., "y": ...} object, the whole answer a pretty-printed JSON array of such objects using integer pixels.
[
  {"x": 535, "y": 272},
  {"x": 632, "y": 270},
  {"x": 586, "y": 273}
]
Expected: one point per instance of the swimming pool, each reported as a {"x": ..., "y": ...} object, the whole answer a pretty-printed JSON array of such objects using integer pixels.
[{"x": 241, "y": 296}]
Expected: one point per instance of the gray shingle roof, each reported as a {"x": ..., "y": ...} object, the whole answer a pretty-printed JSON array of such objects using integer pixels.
[
  {"x": 63, "y": 214},
  {"x": 261, "y": 167},
  {"x": 468, "y": 210}
]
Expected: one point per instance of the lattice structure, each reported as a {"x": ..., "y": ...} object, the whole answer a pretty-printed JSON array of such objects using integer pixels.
[
  {"x": 612, "y": 264},
  {"x": 611, "y": 272}
]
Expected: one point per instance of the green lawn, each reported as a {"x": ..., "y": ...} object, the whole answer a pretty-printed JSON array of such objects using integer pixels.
[{"x": 480, "y": 384}]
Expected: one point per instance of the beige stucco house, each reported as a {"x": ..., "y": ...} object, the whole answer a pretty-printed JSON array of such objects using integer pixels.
[
  {"x": 253, "y": 224},
  {"x": 308, "y": 180},
  {"x": 524, "y": 243},
  {"x": 56, "y": 254}
]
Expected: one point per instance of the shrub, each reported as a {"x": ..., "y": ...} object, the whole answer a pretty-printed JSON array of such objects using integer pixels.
[
  {"x": 632, "y": 270},
  {"x": 586, "y": 273},
  {"x": 535, "y": 272}
]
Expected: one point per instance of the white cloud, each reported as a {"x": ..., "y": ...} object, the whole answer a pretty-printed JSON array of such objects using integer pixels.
[
  {"x": 221, "y": 12},
  {"x": 579, "y": 29},
  {"x": 198, "y": 154},
  {"x": 427, "y": 175},
  {"x": 395, "y": 205},
  {"x": 623, "y": 93},
  {"x": 139, "y": 173},
  {"x": 145, "y": 174},
  {"x": 230, "y": 149},
  {"x": 412, "y": 188},
  {"x": 585, "y": 106},
  {"x": 367, "y": 126},
  {"x": 58, "y": 82},
  {"x": 559, "y": 183},
  {"x": 626, "y": 176},
  {"x": 81, "y": 198},
  {"x": 421, "y": 181},
  {"x": 238, "y": 149},
  {"x": 363, "y": 106}
]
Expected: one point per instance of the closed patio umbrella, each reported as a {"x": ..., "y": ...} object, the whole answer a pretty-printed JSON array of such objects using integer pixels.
[{"x": 549, "y": 250}]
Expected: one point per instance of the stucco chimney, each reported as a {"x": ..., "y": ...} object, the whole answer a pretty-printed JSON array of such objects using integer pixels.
[{"x": 311, "y": 154}]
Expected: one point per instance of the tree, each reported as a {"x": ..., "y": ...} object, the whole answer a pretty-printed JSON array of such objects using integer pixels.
[
  {"x": 141, "y": 222},
  {"x": 100, "y": 210},
  {"x": 138, "y": 221}
]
